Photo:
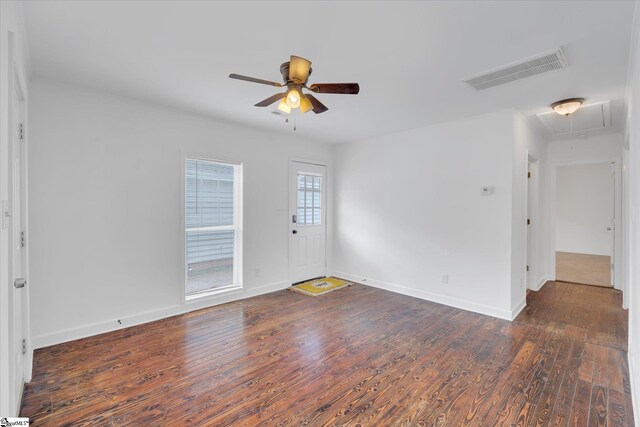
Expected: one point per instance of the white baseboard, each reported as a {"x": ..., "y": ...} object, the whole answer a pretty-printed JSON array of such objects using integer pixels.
[
  {"x": 150, "y": 316},
  {"x": 635, "y": 389},
  {"x": 431, "y": 296},
  {"x": 540, "y": 284},
  {"x": 518, "y": 309}
]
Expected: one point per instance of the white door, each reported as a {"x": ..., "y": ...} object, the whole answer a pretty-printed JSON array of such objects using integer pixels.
[
  {"x": 17, "y": 250},
  {"x": 307, "y": 221}
]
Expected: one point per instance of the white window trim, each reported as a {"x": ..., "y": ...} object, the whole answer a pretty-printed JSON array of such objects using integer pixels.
[
  {"x": 237, "y": 226},
  {"x": 321, "y": 200}
]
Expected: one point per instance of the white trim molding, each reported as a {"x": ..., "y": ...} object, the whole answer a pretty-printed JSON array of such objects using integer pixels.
[
  {"x": 521, "y": 305},
  {"x": 434, "y": 297},
  {"x": 540, "y": 284},
  {"x": 151, "y": 316}
]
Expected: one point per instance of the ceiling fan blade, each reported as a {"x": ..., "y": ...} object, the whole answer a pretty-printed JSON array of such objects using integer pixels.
[
  {"x": 343, "y": 88},
  {"x": 254, "y": 80},
  {"x": 270, "y": 100},
  {"x": 299, "y": 69},
  {"x": 318, "y": 107}
]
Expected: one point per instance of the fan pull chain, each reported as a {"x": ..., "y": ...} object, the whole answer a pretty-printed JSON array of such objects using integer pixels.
[{"x": 571, "y": 130}]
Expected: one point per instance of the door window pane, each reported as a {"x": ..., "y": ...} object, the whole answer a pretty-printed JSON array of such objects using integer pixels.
[{"x": 309, "y": 199}]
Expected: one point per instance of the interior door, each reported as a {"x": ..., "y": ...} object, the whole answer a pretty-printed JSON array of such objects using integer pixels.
[
  {"x": 307, "y": 221},
  {"x": 17, "y": 250}
]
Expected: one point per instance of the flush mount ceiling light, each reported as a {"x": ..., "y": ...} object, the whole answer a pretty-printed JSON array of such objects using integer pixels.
[
  {"x": 568, "y": 106},
  {"x": 295, "y": 74}
]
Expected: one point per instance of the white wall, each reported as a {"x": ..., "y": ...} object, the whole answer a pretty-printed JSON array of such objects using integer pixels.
[
  {"x": 408, "y": 210},
  {"x": 604, "y": 148},
  {"x": 584, "y": 209},
  {"x": 593, "y": 149},
  {"x": 14, "y": 63},
  {"x": 633, "y": 129},
  {"x": 105, "y": 207}
]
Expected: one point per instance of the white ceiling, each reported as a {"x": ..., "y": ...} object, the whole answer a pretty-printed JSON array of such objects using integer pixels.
[{"x": 409, "y": 57}]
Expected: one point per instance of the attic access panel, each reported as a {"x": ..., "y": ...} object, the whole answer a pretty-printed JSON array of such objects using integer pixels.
[{"x": 589, "y": 117}]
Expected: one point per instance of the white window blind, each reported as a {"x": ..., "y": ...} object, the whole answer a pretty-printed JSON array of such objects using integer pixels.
[
  {"x": 309, "y": 199},
  {"x": 210, "y": 226}
]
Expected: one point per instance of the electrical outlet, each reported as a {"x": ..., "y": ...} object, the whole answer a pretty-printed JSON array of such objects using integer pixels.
[{"x": 445, "y": 278}]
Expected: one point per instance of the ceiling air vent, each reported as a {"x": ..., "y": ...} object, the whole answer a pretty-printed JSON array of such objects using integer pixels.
[{"x": 538, "y": 64}]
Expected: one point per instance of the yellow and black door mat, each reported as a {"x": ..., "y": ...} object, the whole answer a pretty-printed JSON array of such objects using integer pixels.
[{"x": 321, "y": 286}]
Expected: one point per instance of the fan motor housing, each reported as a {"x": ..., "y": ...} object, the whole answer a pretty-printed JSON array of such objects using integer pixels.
[{"x": 284, "y": 70}]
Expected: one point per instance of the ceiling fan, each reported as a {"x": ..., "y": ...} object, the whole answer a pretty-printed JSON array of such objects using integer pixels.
[{"x": 295, "y": 74}]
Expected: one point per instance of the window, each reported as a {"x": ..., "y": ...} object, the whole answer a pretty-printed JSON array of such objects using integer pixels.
[
  {"x": 309, "y": 197},
  {"x": 212, "y": 226}
]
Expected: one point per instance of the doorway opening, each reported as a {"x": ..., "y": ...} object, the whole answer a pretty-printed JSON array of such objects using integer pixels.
[{"x": 585, "y": 224}]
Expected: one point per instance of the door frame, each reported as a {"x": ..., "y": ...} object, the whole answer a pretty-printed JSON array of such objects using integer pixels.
[
  {"x": 327, "y": 211},
  {"x": 8, "y": 399},
  {"x": 24, "y": 221},
  {"x": 532, "y": 211},
  {"x": 616, "y": 259}
]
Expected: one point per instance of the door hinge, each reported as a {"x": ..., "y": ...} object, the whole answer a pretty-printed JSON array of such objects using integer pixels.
[
  {"x": 21, "y": 135},
  {"x": 528, "y": 221},
  {"x": 612, "y": 266},
  {"x": 527, "y": 268},
  {"x": 23, "y": 240},
  {"x": 528, "y": 174},
  {"x": 24, "y": 346}
]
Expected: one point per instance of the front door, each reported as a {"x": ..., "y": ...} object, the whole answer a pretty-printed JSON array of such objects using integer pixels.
[{"x": 307, "y": 221}]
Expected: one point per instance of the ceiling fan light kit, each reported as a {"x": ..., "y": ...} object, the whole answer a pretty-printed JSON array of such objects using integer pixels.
[
  {"x": 568, "y": 106},
  {"x": 284, "y": 107},
  {"x": 295, "y": 74}
]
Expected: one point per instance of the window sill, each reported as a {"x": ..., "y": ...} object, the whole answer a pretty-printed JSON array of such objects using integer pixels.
[{"x": 212, "y": 293}]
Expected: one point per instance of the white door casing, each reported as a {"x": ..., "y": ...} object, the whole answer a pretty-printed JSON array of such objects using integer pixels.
[
  {"x": 530, "y": 225},
  {"x": 307, "y": 221},
  {"x": 612, "y": 224},
  {"x": 16, "y": 223}
]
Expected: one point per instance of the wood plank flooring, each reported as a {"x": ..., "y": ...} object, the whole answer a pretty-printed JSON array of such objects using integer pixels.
[
  {"x": 583, "y": 268},
  {"x": 359, "y": 356}
]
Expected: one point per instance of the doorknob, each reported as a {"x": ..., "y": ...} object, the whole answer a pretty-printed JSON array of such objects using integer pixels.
[
  {"x": 19, "y": 283},
  {"x": 295, "y": 231},
  {"x": 608, "y": 228}
]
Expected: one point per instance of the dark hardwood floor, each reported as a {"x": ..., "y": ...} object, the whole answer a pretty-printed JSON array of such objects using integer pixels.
[{"x": 358, "y": 356}]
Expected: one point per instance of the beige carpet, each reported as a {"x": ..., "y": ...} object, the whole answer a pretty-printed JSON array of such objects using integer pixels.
[{"x": 585, "y": 269}]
